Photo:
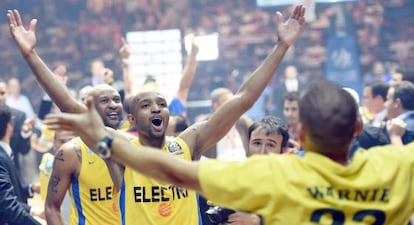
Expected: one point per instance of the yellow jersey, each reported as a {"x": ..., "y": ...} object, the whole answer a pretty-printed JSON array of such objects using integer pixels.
[
  {"x": 45, "y": 170},
  {"x": 93, "y": 195},
  {"x": 149, "y": 202},
  {"x": 376, "y": 187}
]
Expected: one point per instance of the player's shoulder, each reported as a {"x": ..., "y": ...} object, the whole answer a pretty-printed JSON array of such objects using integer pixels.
[{"x": 72, "y": 145}]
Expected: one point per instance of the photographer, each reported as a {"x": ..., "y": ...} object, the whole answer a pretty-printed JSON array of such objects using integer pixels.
[{"x": 266, "y": 135}]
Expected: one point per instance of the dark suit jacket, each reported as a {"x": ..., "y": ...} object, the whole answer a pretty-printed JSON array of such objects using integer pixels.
[
  {"x": 409, "y": 132},
  {"x": 19, "y": 144},
  {"x": 13, "y": 195}
]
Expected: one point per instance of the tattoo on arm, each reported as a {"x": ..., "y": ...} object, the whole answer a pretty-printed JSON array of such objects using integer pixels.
[
  {"x": 54, "y": 182},
  {"x": 59, "y": 156}
]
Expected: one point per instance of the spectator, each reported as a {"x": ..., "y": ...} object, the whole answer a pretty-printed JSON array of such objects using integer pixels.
[
  {"x": 400, "y": 104},
  {"x": 22, "y": 130},
  {"x": 14, "y": 194},
  {"x": 375, "y": 94}
]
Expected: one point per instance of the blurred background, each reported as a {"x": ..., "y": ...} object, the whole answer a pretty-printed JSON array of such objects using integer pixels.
[{"x": 346, "y": 41}]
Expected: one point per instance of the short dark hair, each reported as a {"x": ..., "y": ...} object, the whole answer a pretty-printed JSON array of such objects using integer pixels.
[
  {"x": 405, "y": 92},
  {"x": 378, "y": 87},
  {"x": 5, "y": 118},
  {"x": 291, "y": 96},
  {"x": 181, "y": 123},
  {"x": 270, "y": 124},
  {"x": 328, "y": 114},
  {"x": 408, "y": 74}
]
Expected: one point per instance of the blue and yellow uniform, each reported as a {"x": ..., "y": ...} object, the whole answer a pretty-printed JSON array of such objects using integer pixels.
[
  {"x": 376, "y": 187},
  {"x": 150, "y": 202},
  {"x": 93, "y": 196}
]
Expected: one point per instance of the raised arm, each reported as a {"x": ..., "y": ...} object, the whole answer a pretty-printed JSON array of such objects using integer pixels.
[
  {"x": 127, "y": 73},
  {"x": 26, "y": 41},
  {"x": 188, "y": 74},
  {"x": 204, "y": 136},
  {"x": 65, "y": 167}
]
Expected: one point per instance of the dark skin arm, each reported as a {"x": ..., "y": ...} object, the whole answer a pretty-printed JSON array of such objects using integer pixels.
[
  {"x": 242, "y": 126},
  {"x": 66, "y": 167},
  {"x": 188, "y": 74},
  {"x": 168, "y": 168},
  {"x": 25, "y": 40},
  {"x": 202, "y": 136}
]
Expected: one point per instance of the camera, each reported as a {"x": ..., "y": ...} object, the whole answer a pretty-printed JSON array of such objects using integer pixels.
[{"x": 219, "y": 215}]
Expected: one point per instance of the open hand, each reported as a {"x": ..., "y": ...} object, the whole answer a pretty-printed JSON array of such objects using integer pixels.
[
  {"x": 88, "y": 125},
  {"x": 125, "y": 50},
  {"x": 25, "y": 39},
  {"x": 289, "y": 30}
]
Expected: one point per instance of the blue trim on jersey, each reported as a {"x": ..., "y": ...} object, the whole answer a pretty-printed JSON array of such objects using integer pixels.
[
  {"x": 122, "y": 201},
  {"x": 200, "y": 218},
  {"x": 78, "y": 204}
]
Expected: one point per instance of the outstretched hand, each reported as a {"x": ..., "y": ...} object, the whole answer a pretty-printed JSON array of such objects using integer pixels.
[
  {"x": 87, "y": 125},
  {"x": 125, "y": 50},
  {"x": 288, "y": 31},
  {"x": 25, "y": 39},
  {"x": 194, "y": 47}
]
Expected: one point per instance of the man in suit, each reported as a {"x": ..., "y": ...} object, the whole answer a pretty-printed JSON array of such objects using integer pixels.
[
  {"x": 400, "y": 104},
  {"x": 22, "y": 128},
  {"x": 13, "y": 195},
  {"x": 290, "y": 82}
]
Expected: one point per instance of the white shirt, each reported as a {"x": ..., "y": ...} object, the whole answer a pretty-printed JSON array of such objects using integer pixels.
[
  {"x": 7, "y": 148},
  {"x": 230, "y": 147},
  {"x": 379, "y": 118}
]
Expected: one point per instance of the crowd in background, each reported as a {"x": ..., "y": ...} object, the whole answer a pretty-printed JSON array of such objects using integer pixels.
[{"x": 74, "y": 32}]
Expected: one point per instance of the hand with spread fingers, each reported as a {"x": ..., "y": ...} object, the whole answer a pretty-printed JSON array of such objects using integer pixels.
[
  {"x": 25, "y": 38},
  {"x": 87, "y": 125},
  {"x": 288, "y": 31}
]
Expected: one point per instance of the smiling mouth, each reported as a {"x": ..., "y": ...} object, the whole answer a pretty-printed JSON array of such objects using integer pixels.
[{"x": 113, "y": 116}]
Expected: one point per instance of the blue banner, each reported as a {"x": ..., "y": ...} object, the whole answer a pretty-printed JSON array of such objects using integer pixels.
[{"x": 342, "y": 63}]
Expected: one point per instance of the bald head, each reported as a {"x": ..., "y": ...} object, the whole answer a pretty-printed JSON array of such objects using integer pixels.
[
  {"x": 219, "y": 96},
  {"x": 108, "y": 104}
]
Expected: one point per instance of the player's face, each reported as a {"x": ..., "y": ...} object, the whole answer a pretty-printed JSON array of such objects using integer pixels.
[
  {"x": 263, "y": 143},
  {"x": 150, "y": 111},
  {"x": 109, "y": 106}
]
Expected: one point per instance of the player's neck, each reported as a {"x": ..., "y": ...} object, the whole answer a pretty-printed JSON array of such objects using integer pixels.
[
  {"x": 341, "y": 158},
  {"x": 153, "y": 142}
]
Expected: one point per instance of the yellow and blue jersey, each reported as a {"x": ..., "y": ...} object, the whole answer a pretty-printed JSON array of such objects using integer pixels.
[
  {"x": 93, "y": 196},
  {"x": 146, "y": 201}
]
